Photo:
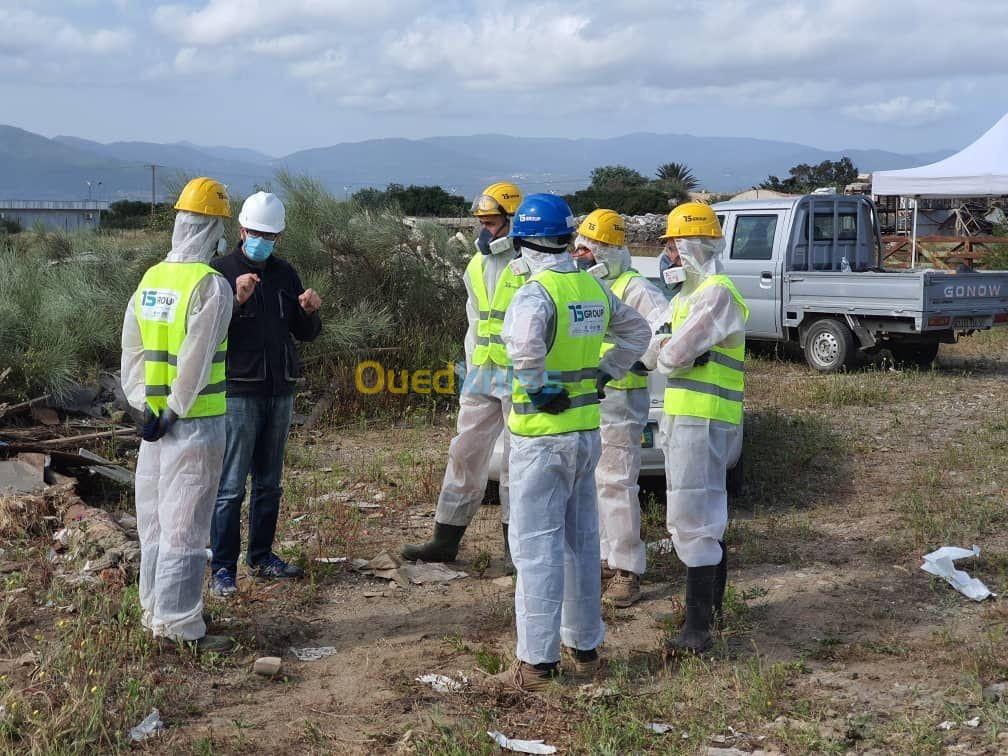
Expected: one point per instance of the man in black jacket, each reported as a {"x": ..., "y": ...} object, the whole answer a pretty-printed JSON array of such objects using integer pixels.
[{"x": 271, "y": 309}]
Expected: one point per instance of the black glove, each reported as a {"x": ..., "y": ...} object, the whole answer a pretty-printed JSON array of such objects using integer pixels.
[
  {"x": 702, "y": 360},
  {"x": 639, "y": 368},
  {"x": 551, "y": 399},
  {"x": 156, "y": 425},
  {"x": 666, "y": 328},
  {"x": 600, "y": 383}
]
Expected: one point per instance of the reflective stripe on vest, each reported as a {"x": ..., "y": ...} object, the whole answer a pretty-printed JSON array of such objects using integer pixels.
[
  {"x": 631, "y": 380},
  {"x": 161, "y": 304},
  {"x": 489, "y": 346},
  {"x": 715, "y": 390},
  {"x": 582, "y": 319}
]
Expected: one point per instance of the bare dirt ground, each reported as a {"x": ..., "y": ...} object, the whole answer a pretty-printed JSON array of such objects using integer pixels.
[{"x": 835, "y": 642}]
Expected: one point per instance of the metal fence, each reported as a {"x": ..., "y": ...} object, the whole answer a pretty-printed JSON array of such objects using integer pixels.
[{"x": 54, "y": 205}]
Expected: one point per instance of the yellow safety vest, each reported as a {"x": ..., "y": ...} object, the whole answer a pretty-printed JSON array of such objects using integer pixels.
[
  {"x": 631, "y": 380},
  {"x": 582, "y": 319},
  {"x": 161, "y": 304},
  {"x": 489, "y": 346},
  {"x": 714, "y": 390}
]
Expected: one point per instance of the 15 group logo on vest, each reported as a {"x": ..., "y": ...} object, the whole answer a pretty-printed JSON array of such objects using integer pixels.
[
  {"x": 159, "y": 304},
  {"x": 586, "y": 318}
]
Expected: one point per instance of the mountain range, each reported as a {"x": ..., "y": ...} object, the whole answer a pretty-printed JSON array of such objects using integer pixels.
[{"x": 36, "y": 167}]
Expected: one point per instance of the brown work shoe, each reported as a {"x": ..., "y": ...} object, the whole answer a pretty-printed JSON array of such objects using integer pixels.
[
  {"x": 578, "y": 669},
  {"x": 623, "y": 589},
  {"x": 607, "y": 572},
  {"x": 526, "y": 677}
]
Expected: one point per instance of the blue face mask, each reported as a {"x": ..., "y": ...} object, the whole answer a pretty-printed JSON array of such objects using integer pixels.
[
  {"x": 258, "y": 249},
  {"x": 483, "y": 241}
]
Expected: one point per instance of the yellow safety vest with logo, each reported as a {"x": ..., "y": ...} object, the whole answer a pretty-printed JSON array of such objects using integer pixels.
[
  {"x": 582, "y": 319},
  {"x": 632, "y": 380},
  {"x": 489, "y": 346},
  {"x": 714, "y": 390},
  {"x": 161, "y": 304}
]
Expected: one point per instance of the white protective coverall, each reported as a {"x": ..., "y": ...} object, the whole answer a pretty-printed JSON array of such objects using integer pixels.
[
  {"x": 624, "y": 415},
  {"x": 553, "y": 532},
  {"x": 698, "y": 451},
  {"x": 484, "y": 405},
  {"x": 177, "y": 476}
]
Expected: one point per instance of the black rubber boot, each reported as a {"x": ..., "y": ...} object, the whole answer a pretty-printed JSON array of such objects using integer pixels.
[
  {"x": 509, "y": 568},
  {"x": 720, "y": 581},
  {"x": 695, "y": 637},
  {"x": 443, "y": 547}
]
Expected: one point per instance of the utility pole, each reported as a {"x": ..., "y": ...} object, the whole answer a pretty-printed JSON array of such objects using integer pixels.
[{"x": 153, "y": 186}]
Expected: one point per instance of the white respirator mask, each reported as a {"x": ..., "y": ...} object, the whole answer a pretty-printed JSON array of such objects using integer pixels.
[
  {"x": 600, "y": 271},
  {"x": 502, "y": 245},
  {"x": 520, "y": 267},
  {"x": 673, "y": 276}
]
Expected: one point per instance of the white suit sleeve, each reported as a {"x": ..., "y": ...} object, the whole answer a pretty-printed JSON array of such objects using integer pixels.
[
  {"x": 630, "y": 335},
  {"x": 472, "y": 316},
  {"x": 648, "y": 300},
  {"x": 131, "y": 366},
  {"x": 714, "y": 319},
  {"x": 527, "y": 325},
  {"x": 208, "y": 319}
]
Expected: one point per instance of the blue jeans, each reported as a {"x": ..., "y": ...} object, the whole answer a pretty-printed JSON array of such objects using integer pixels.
[{"x": 257, "y": 428}]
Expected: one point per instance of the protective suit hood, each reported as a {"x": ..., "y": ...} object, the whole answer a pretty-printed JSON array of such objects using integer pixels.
[
  {"x": 700, "y": 255},
  {"x": 616, "y": 259},
  {"x": 195, "y": 237},
  {"x": 540, "y": 261}
]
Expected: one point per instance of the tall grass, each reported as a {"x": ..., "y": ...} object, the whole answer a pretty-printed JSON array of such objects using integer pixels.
[
  {"x": 62, "y": 298},
  {"x": 387, "y": 290}
]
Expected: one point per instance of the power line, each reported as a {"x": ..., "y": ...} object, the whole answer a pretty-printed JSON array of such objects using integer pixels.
[{"x": 153, "y": 186}]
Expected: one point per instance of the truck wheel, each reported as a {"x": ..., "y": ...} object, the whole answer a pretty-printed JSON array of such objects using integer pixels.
[
  {"x": 829, "y": 346},
  {"x": 921, "y": 356}
]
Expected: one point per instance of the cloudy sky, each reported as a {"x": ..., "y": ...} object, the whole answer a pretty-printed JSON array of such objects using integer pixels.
[{"x": 282, "y": 75}]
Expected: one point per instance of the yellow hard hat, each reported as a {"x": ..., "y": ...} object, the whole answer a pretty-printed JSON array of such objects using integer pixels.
[
  {"x": 604, "y": 226},
  {"x": 692, "y": 219},
  {"x": 501, "y": 198},
  {"x": 205, "y": 196}
]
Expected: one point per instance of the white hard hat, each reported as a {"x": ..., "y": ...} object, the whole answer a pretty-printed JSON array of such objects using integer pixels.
[{"x": 263, "y": 211}]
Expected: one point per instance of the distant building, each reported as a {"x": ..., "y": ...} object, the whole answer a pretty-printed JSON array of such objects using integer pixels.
[{"x": 54, "y": 215}]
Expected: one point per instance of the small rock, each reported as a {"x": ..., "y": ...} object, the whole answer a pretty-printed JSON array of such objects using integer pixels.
[
  {"x": 727, "y": 752},
  {"x": 505, "y": 581},
  {"x": 996, "y": 692},
  {"x": 267, "y": 666}
]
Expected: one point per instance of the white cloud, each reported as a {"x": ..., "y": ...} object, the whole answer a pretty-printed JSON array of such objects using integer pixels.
[
  {"x": 220, "y": 21},
  {"x": 28, "y": 31},
  {"x": 903, "y": 109}
]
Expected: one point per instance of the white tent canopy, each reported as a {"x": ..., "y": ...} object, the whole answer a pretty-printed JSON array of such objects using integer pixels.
[{"x": 976, "y": 171}]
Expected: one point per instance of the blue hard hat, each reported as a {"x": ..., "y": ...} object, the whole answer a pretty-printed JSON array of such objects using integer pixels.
[{"x": 542, "y": 215}]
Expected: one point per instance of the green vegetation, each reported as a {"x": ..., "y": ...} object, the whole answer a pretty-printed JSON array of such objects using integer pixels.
[
  {"x": 628, "y": 191},
  {"x": 422, "y": 201},
  {"x": 132, "y": 215},
  {"x": 806, "y": 178},
  {"x": 384, "y": 287}
]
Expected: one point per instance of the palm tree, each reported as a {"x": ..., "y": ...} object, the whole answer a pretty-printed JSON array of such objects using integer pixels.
[{"x": 678, "y": 173}]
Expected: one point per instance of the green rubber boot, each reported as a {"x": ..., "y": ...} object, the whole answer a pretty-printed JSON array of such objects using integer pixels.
[{"x": 443, "y": 547}]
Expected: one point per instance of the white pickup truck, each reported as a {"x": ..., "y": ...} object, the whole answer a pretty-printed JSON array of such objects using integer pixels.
[{"x": 810, "y": 270}]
